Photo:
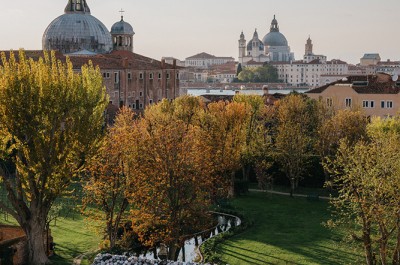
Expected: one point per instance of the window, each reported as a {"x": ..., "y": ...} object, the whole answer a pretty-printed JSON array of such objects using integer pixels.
[
  {"x": 129, "y": 76},
  {"x": 329, "y": 102},
  {"x": 167, "y": 76},
  {"x": 116, "y": 78},
  {"x": 348, "y": 102},
  {"x": 372, "y": 104},
  {"x": 177, "y": 76},
  {"x": 104, "y": 75},
  {"x": 159, "y": 76},
  {"x": 389, "y": 104},
  {"x": 382, "y": 104},
  {"x": 365, "y": 103},
  {"x": 133, "y": 106},
  {"x": 151, "y": 101},
  {"x": 151, "y": 76},
  {"x": 141, "y": 106},
  {"x": 140, "y": 94},
  {"x": 140, "y": 75},
  {"x": 107, "y": 75}
]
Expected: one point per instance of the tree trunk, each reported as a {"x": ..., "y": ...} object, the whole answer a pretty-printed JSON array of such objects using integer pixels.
[
  {"x": 292, "y": 183},
  {"x": 173, "y": 252},
  {"x": 34, "y": 232},
  {"x": 368, "y": 249},
  {"x": 396, "y": 253}
]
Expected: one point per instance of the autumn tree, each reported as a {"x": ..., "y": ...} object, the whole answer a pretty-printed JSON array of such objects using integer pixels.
[
  {"x": 296, "y": 123},
  {"x": 366, "y": 174},
  {"x": 107, "y": 190},
  {"x": 223, "y": 135},
  {"x": 344, "y": 124},
  {"x": 51, "y": 119},
  {"x": 180, "y": 156},
  {"x": 256, "y": 141}
]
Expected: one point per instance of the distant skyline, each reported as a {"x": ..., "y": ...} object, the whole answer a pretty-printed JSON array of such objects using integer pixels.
[{"x": 339, "y": 29}]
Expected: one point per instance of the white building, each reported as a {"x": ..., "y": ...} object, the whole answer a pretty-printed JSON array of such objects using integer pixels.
[{"x": 205, "y": 60}]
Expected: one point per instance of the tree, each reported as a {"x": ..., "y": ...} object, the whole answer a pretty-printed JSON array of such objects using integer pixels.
[
  {"x": 222, "y": 132},
  {"x": 255, "y": 131},
  {"x": 247, "y": 75},
  {"x": 294, "y": 130},
  {"x": 265, "y": 73},
  {"x": 367, "y": 176},
  {"x": 107, "y": 190},
  {"x": 345, "y": 124},
  {"x": 180, "y": 156},
  {"x": 51, "y": 119},
  {"x": 239, "y": 69}
]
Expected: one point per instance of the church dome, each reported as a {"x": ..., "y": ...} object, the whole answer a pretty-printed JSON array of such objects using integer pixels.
[
  {"x": 77, "y": 30},
  {"x": 122, "y": 27},
  {"x": 274, "y": 37}
]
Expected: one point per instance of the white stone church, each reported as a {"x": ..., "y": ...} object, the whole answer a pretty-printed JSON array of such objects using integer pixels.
[{"x": 273, "y": 48}]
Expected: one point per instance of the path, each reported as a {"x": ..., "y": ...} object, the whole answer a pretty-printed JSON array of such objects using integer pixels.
[
  {"x": 288, "y": 194},
  {"x": 78, "y": 259}
]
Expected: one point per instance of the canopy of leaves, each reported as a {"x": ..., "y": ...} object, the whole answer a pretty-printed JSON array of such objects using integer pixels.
[{"x": 265, "y": 73}]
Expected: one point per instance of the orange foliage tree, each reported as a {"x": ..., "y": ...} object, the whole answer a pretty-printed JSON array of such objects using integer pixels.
[
  {"x": 178, "y": 161},
  {"x": 107, "y": 189}
]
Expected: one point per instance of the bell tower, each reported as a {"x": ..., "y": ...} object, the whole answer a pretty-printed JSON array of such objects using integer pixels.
[
  {"x": 122, "y": 34},
  {"x": 242, "y": 47},
  {"x": 309, "y": 47}
]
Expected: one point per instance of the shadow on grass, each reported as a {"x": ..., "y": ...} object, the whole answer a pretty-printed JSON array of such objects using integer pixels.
[{"x": 286, "y": 231}]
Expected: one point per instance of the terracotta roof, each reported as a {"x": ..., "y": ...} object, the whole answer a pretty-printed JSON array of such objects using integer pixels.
[
  {"x": 114, "y": 60},
  {"x": 380, "y": 83},
  {"x": 204, "y": 55}
]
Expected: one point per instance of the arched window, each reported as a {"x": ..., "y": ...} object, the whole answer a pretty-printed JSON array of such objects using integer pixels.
[{"x": 120, "y": 41}]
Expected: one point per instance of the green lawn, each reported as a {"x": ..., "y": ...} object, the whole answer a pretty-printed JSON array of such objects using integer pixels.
[
  {"x": 286, "y": 231},
  {"x": 72, "y": 237}
]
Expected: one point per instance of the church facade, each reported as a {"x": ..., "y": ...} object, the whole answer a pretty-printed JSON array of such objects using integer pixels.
[
  {"x": 131, "y": 80},
  {"x": 272, "y": 48}
]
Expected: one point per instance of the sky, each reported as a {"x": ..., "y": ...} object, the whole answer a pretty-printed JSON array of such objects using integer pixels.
[{"x": 339, "y": 29}]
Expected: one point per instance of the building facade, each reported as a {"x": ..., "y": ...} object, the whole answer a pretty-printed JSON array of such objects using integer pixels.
[
  {"x": 376, "y": 95},
  {"x": 205, "y": 60}
]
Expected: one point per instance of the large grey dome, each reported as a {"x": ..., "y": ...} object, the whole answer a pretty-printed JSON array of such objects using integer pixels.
[
  {"x": 77, "y": 30},
  {"x": 275, "y": 39},
  {"x": 122, "y": 27}
]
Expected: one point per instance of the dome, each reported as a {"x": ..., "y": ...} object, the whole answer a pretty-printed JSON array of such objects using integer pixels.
[
  {"x": 275, "y": 39},
  {"x": 77, "y": 30},
  {"x": 257, "y": 43},
  {"x": 122, "y": 27}
]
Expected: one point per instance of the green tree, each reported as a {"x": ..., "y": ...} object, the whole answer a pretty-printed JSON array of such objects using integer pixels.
[
  {"x": 247, "y": 75},
  {"x": 239, "y": 69},
  {"x": 367, "y": 175},
  {"x": 51, "y": 119},
  {"x": 265, "y": 73}
]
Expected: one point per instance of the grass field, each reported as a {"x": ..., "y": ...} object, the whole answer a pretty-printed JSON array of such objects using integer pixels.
[
  {"x": 72, "y": 237},
  {"x": 286, "y": 231}
]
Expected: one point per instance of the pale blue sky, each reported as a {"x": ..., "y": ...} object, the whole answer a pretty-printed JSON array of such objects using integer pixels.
[{"x": 340, "y": 29}]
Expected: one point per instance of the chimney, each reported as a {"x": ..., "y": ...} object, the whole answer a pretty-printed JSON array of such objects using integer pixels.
[
  {"x": 163, "y": 63},
  {"x": 174, "y": 64}
]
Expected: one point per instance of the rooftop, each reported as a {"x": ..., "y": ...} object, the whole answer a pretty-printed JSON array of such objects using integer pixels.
[{"x": 380, "y": 83}]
